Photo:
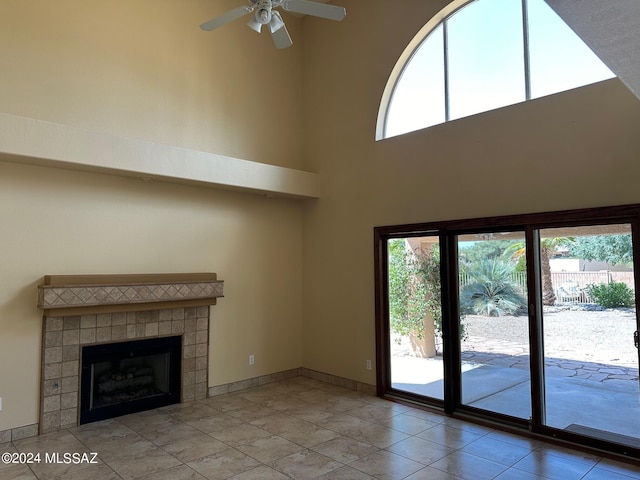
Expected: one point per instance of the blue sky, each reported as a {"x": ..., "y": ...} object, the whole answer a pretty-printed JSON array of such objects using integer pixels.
[{"x": 486, "y": 64}]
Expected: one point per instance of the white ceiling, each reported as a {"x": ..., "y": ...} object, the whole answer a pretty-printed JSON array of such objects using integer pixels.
[{"x": 612, "y": 29}]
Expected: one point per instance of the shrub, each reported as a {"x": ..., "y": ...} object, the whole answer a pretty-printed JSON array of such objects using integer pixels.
[
  {"x": 407, "y": 293},
  {"x": 612, "y": 295},
  {"x": 492, "y": 290},
  {"x": 430, "y": 272}
]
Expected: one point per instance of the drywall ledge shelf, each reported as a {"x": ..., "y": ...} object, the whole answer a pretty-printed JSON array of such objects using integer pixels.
[{"x": 36, "y": 142}]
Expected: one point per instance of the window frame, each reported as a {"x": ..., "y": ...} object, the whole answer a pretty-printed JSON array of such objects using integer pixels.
[
  {"x": 448, "y": 231},
  {"x": 423, "y": 35}
]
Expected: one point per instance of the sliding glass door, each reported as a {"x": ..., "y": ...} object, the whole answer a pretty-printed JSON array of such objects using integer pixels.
[
  {"x": 530, "y": 320},
  {"x": 415, "y": 316},
  {"x": 494, "y": 322},
  {"x": 589, "y": 321}
]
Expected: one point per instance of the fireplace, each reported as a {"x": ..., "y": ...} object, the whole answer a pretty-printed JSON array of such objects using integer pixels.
[
  {"x": 128, "y": 377},
  {"x": 102, "y": 333}
]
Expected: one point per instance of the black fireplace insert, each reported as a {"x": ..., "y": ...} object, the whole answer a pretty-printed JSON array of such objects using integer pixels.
[{"x": 128, "y": 377}]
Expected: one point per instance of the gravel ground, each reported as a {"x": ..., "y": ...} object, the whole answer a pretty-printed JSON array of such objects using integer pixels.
[{"x": 593, "y": 336}]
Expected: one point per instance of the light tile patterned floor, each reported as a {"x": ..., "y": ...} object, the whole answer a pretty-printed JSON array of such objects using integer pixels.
[{"x": 301, "y": 429}]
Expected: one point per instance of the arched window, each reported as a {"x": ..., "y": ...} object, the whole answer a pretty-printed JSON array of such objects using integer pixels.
[{"x": 480, "y": 55}]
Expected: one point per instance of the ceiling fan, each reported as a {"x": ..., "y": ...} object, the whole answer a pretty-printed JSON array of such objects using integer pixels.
[{"x": 264, "y": 13}]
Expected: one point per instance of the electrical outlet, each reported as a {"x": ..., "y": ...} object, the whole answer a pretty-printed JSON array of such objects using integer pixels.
[
  {"x": 252, "y": 360},
  {"x": 368, "y": 364}
]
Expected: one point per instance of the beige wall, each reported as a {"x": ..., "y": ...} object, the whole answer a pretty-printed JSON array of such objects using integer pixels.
[
  {"x": 60, "y": 222},
  {"x": 576, "y": 149},
  {"x": 143, "y": 69},
  {"x": 293, "y": 270}
]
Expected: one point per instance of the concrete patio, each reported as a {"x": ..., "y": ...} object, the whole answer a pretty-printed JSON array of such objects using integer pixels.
[
  {"x": 595, "y": 398},
  {"x": 572, "y": 403}
]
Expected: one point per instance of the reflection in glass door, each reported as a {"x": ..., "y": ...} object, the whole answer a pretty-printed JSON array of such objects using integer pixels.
[
  {"x": 589, "y": 320},
  {"x": 494, "y": 335},
  {"x": 415, "y": 316}
]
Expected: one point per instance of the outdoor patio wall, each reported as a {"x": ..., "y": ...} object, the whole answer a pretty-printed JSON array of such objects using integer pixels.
[
  {"x": 571, "y": 150},
  {"x": 145, "y": 70}
]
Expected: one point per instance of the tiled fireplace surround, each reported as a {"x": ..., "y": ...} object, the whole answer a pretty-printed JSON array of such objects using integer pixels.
[{"x": 88, "y": 310}]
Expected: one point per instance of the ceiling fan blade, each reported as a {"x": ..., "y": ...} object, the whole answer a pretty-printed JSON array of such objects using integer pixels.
[
  {"x": 281, "y": 38},
  {"x": 228, "y": 17},
  {"x": 331, "y": 12}
]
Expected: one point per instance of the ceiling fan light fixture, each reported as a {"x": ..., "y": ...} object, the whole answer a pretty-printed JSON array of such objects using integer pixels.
[
  {"x": 276, "y": 22},
  {"x": 262, "y": 16},
  {"x": 255, "y": 25},
  {"x": 264, "y": 13}
]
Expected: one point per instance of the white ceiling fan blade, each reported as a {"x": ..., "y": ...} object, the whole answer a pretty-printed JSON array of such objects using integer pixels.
[
  {"x": 281, "y": 38},
  {"x": 228, "y": 17},
  {"x": 331, "y": 12}
]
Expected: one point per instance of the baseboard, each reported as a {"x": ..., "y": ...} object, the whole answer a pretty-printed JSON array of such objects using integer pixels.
[
  {"x": 18, "y": 433},
  {"x": 287, "y": 374},
  {"x": 253, "y": 382},
  {"x": 339, "y": 381}
]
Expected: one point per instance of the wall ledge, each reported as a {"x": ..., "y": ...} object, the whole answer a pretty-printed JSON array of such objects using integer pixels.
[{"x": 37, "y": 142}]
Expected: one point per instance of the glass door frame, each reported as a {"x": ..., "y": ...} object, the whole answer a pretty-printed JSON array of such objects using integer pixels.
[
  {"x": 448, "y": 232},
  {"x": 624, "y": 215},
  {"x": 453, "y": 339},
  {"x": 383, "y": 334}
]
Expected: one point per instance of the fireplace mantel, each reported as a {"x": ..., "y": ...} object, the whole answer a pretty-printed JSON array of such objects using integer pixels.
[{"x": 86, "y": 294}]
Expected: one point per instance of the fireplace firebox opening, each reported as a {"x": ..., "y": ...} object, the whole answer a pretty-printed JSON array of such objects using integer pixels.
[{"x": 128, "y": 377}]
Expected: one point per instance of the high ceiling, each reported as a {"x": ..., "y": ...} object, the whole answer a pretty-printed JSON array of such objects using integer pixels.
[{"x": 611, "y": 29}]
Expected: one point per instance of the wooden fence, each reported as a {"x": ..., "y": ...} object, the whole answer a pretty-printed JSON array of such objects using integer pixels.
[{"x": 570, "y": 287}]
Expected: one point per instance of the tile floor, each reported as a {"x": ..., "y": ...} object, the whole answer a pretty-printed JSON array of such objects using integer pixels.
[{"x": 300, "y": 429}]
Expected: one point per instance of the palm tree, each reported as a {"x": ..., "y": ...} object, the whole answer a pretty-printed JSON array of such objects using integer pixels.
[
  {"x": 491, "y": 290},
  {"x": 548, "y": 246}
]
